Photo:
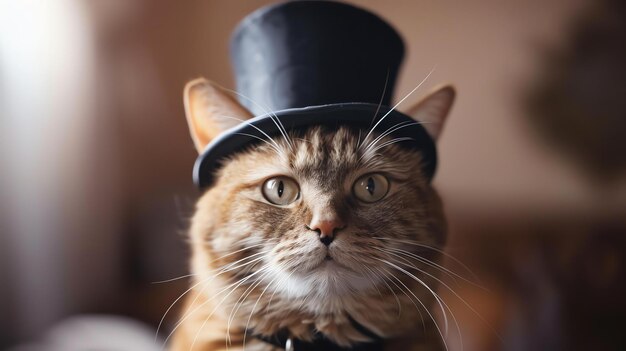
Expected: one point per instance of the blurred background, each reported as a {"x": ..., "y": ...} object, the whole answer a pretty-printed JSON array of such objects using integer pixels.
[{"x": 95, "y": 163}]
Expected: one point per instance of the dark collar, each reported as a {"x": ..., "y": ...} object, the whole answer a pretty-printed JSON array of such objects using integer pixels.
[{"x": 322, "y": 343}]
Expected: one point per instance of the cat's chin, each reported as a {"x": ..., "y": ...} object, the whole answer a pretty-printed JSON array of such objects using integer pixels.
[
  {"x": 329, "y": 277},
  {"x": 330, "y": 266}
]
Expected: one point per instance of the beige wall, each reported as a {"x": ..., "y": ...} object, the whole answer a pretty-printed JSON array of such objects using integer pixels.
[{"x": 488, "y": 49}]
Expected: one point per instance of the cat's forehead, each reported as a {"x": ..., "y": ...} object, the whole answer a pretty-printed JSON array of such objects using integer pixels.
[
  {"x": 323, "y": 151},
  {"x": 318, "y": 155},
  {"x": 323, "y": 156}
]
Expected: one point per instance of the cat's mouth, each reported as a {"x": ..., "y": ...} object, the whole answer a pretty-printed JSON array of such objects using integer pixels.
[{"x": 330, "y": 261}]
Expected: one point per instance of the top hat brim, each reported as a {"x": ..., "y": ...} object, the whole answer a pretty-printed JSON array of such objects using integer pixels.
[{"x": 359, "y": 116}]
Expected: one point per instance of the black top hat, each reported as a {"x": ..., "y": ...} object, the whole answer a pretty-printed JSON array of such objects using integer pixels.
[
  {"x": 314, "y": 63},
  {"x": 309, "y": 53}
]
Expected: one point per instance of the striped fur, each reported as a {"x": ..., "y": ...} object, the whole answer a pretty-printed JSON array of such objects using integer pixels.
[{"x": 257, "y": 267}]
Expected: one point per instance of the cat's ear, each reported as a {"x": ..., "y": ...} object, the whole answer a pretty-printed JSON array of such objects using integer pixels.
[
  {"x": 210, "y": 110},
  {"x": 433, "y": 109}
]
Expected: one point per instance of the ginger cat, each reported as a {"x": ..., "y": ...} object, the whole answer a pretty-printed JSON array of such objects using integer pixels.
[{"x": 313, "y": 237}]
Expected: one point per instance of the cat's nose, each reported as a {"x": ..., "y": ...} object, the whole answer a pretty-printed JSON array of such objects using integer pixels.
[{"x": 327, "y": 229}]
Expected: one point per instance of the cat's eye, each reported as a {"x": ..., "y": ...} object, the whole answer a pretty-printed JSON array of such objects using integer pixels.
[
  {"x": 281, "y": 190},
  {"x": 371, "y": 187}
]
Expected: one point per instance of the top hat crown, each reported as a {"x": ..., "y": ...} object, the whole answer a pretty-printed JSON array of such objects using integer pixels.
[{"x": 309, "y": 53}]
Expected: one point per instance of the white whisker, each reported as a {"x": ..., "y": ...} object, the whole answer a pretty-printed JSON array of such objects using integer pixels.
[
  {"x": 428, "y": 262},
  {"x": 439, "y": 302},
  {"x": 243, "y": 280},
  {"x": 270, "y": 113},
  {"x": 387, "y": 143},
  {"x": 463, "y": 301},
  {"x": 383, "y": 277},
  {"x": 255, "y": 127},
  {"x": 399, "y": 102},
  {"x": 174, "y": 279},
  {"x": 409, "y": 242},
  {"x": 241, "y": 300},
  {"x": 196, "y": 298},
  {"x": 278, "y": 151},
  {"x": 227, "y": 268},
  {"x": 443, "y": 339},
  {"x": 212, "y": 261},
  {"x": 245, "y": 331},
  {"x": 387, "y": 132},
  {"x": 436, "y": 295},
  {"x": 380, "y": 103}
]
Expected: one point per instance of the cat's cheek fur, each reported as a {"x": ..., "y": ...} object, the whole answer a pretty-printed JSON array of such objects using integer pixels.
[{"x": 298, "y": 288}]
